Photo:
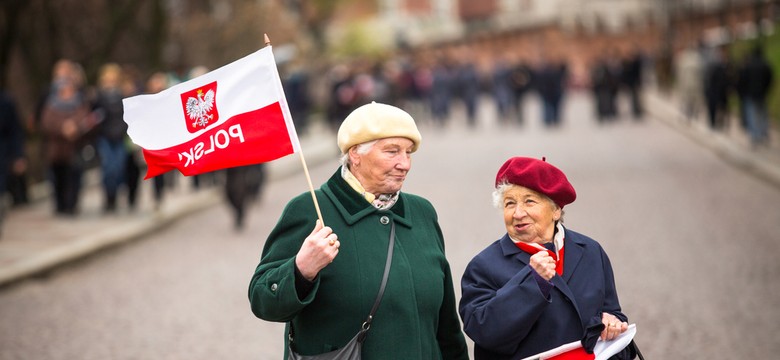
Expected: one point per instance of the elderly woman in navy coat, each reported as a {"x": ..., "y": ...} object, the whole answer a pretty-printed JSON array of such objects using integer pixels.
[{"x": 541, "y": 285}]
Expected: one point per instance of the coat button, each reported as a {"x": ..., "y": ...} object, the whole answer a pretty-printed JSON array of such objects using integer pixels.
[
  {"x": 274, "y": 287},
  {"x": 384, "y": 220}
]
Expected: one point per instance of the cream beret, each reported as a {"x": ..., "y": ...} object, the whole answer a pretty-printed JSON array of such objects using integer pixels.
[{"x": 376, "y": 121}]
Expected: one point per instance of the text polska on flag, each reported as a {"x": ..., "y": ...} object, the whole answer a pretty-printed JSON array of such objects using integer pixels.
[{"x": 235, "y": 115}]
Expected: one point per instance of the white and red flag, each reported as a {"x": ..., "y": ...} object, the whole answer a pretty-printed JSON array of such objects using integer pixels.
[
  {"x": 235, "y": 115},
  {"x": 603, "y": 350}
]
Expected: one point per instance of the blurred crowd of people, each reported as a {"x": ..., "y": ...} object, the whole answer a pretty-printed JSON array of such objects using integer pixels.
[
  {"x": 431, "y": 86},
  {"x": 81, "y": 127},
  {"x": 707, "y": 77}
]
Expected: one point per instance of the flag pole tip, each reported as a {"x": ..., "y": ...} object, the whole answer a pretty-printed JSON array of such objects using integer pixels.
[{"x": 266, "y": 39}]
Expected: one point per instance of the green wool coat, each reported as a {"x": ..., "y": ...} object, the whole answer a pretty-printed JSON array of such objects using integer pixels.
[{"x": 417, "y": 318}]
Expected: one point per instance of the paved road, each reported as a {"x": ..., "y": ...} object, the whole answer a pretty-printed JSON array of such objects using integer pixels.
[{"x": 692, "y": 240}]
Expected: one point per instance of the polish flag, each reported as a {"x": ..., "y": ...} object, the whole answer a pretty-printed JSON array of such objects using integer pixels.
[
  {"x": 235, "y": 115},
  {"x": 603, "y": 350}
]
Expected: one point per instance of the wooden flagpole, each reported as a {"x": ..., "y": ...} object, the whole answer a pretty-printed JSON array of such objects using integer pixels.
[{"x": 303, "y": 162}]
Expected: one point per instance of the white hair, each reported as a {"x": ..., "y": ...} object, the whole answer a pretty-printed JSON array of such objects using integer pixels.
[
  {"x": 362, "y": 149},
  {"x": 501, "y": 188}
]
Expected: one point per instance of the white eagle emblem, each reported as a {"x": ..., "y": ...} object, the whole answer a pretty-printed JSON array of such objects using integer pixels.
[{"x": 198, "y": 108}]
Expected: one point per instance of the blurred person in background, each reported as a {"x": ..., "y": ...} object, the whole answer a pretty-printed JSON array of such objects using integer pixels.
[
  {"x": 718, "y": 84},
  {"x": 605, "y": 82},
  {"x": 243, "y": 185},
  {"x": 111, "y": 133},
  {"x": 468, "y": 85},
  {"x": 503, "y": 92},
  {"x": 61, "y": 69},
  {"x": 158, "y": 82},
  {"x": 689, "y": 72},
  {"x": 296, "y": 90},
  {"x": 631, "y": 76},
  {"x": 131, "y": 86},
  {"x": 323, "y": 280},
  {"x": 551, "y": 85},
  {"x": 754, "y": 81},
  {"x": 443, "y": 85},
  {"x": 12, "y": 159},
  {"x": 540, "y": 285},
  {"x": 342, "y": 93},
  {"x": 65, "y": 122},
  {"x": 522, "y": 81}
]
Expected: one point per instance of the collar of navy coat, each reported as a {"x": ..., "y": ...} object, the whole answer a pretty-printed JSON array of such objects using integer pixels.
[{"x": 353, "y": 207}]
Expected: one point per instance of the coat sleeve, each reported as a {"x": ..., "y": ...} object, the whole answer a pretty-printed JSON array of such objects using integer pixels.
[
  {"x": 594, "y": 326},
  {"x": 493, "y": 316},
  {"x": 272, "y": 293},
  {"x": 612, "y": 305},
  {"x": 611, "y": 301}
]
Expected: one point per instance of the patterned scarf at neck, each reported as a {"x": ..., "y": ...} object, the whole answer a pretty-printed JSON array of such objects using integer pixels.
[
  {"x": 381, "y": 201},
  {"x": 385, "y": 201}
]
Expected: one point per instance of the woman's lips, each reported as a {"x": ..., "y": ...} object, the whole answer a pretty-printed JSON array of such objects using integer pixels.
[{"x": 521, "y": 227}]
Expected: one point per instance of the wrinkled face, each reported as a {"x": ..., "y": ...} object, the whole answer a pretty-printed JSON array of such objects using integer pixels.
[
  {"x": 383, "y": 169},
  {"x": 529, "y": 216}
]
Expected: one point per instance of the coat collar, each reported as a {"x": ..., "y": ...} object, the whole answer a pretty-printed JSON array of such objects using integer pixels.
[
  {"x": 573, "y": 250},
  {"x": 353, "y": 207}
]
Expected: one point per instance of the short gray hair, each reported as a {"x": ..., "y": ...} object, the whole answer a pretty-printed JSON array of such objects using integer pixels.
[{"x": 362, "y": 149}]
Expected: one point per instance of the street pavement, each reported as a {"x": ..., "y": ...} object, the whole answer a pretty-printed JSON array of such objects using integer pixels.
[{"x": 34, "y": 241}]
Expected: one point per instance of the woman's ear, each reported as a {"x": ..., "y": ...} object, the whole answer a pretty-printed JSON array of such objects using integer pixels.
[
  {"x": 354, "y": 157},
  {"x": 557, "y": 213}
]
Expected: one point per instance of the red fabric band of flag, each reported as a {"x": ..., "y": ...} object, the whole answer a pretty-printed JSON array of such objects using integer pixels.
[{"x": 249, "y": 138}]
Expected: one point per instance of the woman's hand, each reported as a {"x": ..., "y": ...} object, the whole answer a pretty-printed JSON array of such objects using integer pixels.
[
  {"x": 613, "y": 326},
  {"x": 544, "y": 264},
  {"x": 318, "y": 250}
]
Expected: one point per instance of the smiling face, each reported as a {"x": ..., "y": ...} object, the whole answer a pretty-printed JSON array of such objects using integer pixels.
[
  {"x": 528, "y": 215},
  {"x": 383, "y": 169}
]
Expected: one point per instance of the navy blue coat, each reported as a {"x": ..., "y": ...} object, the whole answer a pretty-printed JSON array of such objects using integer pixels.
[{"x": 508, "y": 317}]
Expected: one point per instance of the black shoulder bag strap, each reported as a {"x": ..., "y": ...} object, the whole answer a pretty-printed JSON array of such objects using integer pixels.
[{"x": 367, "y": 324}]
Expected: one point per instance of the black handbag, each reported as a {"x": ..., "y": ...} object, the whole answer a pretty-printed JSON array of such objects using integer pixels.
[{"x": 352, "y": 350}]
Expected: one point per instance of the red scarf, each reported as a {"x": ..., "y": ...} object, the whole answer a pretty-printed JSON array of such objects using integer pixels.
[{"x": 533, "y": 248}]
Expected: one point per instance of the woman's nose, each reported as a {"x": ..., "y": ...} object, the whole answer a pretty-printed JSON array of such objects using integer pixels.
[{"x": 405, "y": 163}]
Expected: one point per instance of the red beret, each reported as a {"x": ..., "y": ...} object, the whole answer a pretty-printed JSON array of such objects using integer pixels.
[{"x": 537, "y": 175}]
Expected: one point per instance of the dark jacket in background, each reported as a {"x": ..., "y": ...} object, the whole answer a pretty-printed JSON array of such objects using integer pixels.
[
  {"x": 11, "y": 137},
  {"x": 108, "y": 106}
]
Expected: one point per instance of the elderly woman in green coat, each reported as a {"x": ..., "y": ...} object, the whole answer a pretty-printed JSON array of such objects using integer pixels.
[{"x": 323, "y": 280}]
